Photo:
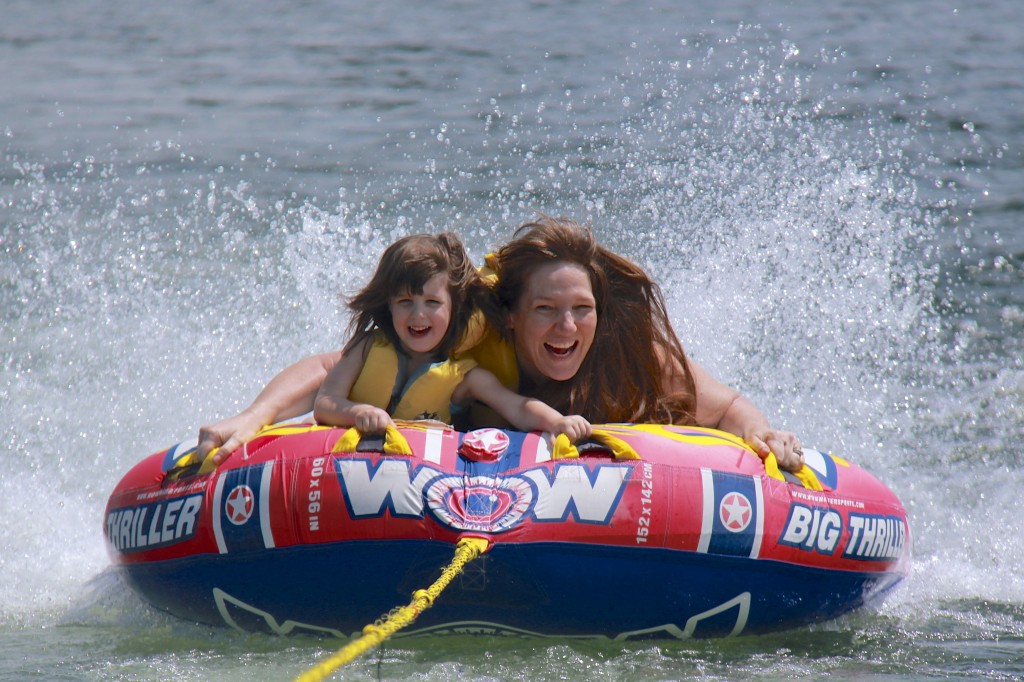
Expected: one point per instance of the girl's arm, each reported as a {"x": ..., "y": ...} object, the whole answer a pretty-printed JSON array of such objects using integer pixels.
[
  {"x": 526, "y": 414},
  {"x": 289, "y": 394},
  {"x": 332, "y": 406}
]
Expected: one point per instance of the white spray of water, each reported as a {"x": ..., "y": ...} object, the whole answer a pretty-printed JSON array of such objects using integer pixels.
[{"x": 793, "y": 252}]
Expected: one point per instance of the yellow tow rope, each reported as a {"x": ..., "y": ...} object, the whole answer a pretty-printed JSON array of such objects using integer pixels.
[{"x": 466, "y": 550}]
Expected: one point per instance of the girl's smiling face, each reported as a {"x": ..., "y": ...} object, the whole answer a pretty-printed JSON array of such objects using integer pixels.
[
  {"x": 421, "y": 320},
  {"x": 555, "y": 321}
]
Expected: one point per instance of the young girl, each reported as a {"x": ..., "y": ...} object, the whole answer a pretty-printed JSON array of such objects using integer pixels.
[{"x": 401, "y": 361}]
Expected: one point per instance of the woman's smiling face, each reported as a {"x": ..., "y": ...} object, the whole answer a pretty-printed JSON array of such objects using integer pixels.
[{"x": 555, "y": 321}]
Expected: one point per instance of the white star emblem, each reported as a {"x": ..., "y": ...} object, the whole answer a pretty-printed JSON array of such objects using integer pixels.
[
  {"x": 735, "y": 512},
  {"x": 488, "y": 439},
  {"x": 485, "y": 444},
  {"x": 239, "y": 505}
]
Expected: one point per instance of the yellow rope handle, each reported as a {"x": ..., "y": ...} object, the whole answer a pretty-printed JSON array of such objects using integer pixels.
[
  {"x": 394, "y": 442},
  {"x": 806, "y": 474},
  {"x": 619, "y": 448},
  {"x": 466, "y": 550}
]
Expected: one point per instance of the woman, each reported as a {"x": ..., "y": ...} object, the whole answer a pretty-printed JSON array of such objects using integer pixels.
[{"x": 582, "y": 329}]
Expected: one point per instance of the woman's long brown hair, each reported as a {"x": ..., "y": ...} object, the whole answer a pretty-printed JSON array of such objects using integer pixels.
[{"x": 622, "y": 379}]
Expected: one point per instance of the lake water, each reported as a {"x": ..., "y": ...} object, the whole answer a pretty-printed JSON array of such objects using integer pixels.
[{"x": 831, "y": 195}]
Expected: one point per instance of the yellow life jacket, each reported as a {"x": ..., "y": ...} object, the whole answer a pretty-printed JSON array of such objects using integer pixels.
[
  {"x": 477, "y": 328},
  {"x": 484, "y": 344},
  {"x": 426, "y": 395},
  {"x": 497, "y": 356}
]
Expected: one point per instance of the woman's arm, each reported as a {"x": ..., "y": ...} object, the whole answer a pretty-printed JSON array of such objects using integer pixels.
[
  {"x": 332, "y": 406},
  {"x": 525, "y": 414},
  {"x": 722, "y": 407},
  {"x": 287, "y": 395}
]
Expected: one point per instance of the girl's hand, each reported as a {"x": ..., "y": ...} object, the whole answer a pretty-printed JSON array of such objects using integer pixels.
[
  {"x": 575, "y": 427},
  {"x": 370, "y": 419}
]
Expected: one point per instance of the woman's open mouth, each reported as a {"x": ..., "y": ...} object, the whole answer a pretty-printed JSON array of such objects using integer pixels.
[
  {"x": 418, "y": 332},
  {"x": 561, "y": 351}
]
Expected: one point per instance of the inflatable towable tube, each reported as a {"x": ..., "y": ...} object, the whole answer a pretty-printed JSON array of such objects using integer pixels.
[{"x": 657, "y": 531}]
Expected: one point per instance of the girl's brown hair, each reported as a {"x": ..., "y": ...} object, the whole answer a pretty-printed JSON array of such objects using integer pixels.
[
  {"x": 406, "y": 266},
  {"x": 622, "y": 377}
]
